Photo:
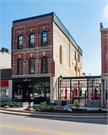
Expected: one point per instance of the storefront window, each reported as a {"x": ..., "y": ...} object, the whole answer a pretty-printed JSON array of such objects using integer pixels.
[
  {"x": 32, "y": 91},
  {"x": 4, "y": 92},
  {"x": 18, "y": 92}
]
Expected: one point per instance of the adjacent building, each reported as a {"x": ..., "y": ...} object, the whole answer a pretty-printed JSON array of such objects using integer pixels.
[
  {"x": 5, "y": 75},
  {"x": 5, "y": 58},
  {"x": 104, "y": 65},
  {"x": 42, "y": 50}
]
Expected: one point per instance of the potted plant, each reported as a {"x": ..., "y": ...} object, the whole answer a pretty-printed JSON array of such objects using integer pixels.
[
  {"x": 13, "y": 105},
  {"x": 51, "y": 109},
  {"x": 77, "y": 105},
  {"x": 18, "y": 106},
  {"x": 37, "y": 109},
  {"x": 43, "y": 104},
  {"x": 29, "y": 108}
]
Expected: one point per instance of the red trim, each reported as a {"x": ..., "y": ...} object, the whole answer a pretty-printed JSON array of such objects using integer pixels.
[{"x": 3, "y": 83}]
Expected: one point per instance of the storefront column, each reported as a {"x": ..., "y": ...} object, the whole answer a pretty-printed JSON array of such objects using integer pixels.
[{"x": 51, "y": 89}]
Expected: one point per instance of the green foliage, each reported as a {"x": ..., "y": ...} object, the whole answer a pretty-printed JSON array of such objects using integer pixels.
[
  {"x": 13, "y": 105},
  {"x": 51, "y": 109},
  {"x": 47, "y": 84},
  {"x": 58, "y": 99},
  {"x": 5, "y": 104},
  {"x": 43, "y": 104},
  {"x": 18, "y": 86},
  {"x": 2, "y": 101},
  {"x": 100, "y": 109},
  {"x": 40, "y": 87},
  {"x": 15, "y": 97},
  {"x": 37, "y": 109},
  {"x": 77, "y": 105}
]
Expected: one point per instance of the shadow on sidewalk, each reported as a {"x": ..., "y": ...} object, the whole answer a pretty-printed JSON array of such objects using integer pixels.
[{"x": 81, "y": 120}]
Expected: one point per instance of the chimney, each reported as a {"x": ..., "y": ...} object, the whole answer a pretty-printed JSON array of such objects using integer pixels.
[
  {"x": 7, "y": 50},
  {"x": 3, "y": 49},
  {"x": 101, "y": 25}
]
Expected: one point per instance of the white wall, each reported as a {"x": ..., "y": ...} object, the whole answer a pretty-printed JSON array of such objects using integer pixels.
[
  {"x": 5, "y": 60},
  {"x": 66, "y": 69}
]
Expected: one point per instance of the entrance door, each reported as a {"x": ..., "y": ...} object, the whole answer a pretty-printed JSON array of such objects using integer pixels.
[
  {"x": 28, "y": 92},
  {"x": 25, "y": 92}
]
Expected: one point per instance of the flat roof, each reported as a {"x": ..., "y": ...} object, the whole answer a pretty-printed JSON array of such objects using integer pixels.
[{"x": 59, "y": 24}]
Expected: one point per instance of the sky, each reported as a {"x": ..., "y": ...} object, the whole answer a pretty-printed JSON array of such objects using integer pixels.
[{"x": 82, "y": 19}]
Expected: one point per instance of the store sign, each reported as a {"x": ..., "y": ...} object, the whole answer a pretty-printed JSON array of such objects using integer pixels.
[{"x": 27, "y": 80}]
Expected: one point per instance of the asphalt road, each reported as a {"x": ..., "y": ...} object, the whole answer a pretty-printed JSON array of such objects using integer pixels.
[{"x": 27, "y": 125}]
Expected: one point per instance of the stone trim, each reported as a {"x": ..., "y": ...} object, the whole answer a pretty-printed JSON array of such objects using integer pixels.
[
  {"x": 28, "y": 49},
  {"x": 104, "y": 74},
  {"x": 32, "y": 75}
]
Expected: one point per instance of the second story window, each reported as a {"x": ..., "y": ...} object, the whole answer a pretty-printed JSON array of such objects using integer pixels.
[
  {"x": 74, "y": 55},
  {"x": 32, "y": 40},
  {"x": 44, "y": 65},
  {"x": 20, "y": 42},
  {"x": 44, "y": 38},
  {"x": 31, "y": 66},
  {"x": 20, "y": 67}
]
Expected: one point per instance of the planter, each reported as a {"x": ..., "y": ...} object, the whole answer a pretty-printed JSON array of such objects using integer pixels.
[
  {"x": 92, "y": 103},
  {"x": 30, "y": 109},
  {"x": 75, "y": 110}
]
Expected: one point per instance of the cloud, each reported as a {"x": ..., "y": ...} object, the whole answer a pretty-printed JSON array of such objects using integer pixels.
[{"x": 104, "y": 14}]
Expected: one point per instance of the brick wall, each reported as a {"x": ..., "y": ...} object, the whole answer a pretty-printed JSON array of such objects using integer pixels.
[
  {"x": 25, "y": 28},
  {"x": 104, "y": 51}
]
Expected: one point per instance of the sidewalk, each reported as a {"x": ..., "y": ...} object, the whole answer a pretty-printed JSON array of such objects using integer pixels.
[{"x": 56, "y": 115}]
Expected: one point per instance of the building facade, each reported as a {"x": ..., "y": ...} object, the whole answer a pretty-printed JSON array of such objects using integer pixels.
[
  {"x": 42, "y": 50},
  {"x": 5, "y": 75},
  {"x": 104, "y": 65},
  {"x": 5, "y": 58}
]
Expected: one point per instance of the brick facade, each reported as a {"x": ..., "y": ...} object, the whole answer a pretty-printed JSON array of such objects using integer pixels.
[
  {"x": 104, "y": 51},
  {"x": 104, "y": 65},
  {"x": 57, "y": 35},
  {"x": 25, "y": 28}
]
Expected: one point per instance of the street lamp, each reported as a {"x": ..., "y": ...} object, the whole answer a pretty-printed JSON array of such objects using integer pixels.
[{"x": 60, "y": 79}]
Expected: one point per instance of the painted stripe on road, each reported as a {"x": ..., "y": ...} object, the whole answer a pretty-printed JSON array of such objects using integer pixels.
[{"x": 39, "y": 130}]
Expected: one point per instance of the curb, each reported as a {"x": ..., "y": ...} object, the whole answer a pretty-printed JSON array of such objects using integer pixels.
[{"x": 53, "y": 115}]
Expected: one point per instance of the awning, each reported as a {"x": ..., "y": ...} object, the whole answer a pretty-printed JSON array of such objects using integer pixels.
[{"x": 3, "y": 83}]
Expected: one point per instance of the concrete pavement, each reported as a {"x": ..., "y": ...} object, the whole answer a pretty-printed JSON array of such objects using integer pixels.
[{"x": 29, "y": 125}]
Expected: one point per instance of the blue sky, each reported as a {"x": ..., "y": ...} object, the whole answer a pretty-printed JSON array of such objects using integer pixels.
[{"x": 82, "y": 18}]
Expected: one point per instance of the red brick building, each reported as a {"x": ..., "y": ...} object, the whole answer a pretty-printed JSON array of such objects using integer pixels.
[
  {"x": 33, "y": 57},
  {"x": 104, "y": 65}
]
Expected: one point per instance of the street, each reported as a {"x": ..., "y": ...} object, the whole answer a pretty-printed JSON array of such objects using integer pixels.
[{"x": 27, "y": 125}]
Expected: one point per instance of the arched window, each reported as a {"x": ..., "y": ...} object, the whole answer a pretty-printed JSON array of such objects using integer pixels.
[
  {"x": 44, "y": 38},
  {"x": 44, "y": 65},
  {"x": 20, "y": 42},
  {"x": 32, "y": 40},
  {"x": 20, "y": 67},
  {"x": 31, "y": 66}
]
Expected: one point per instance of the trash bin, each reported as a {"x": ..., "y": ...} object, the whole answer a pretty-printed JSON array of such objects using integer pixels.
[{"x": 64, "y": 103}]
